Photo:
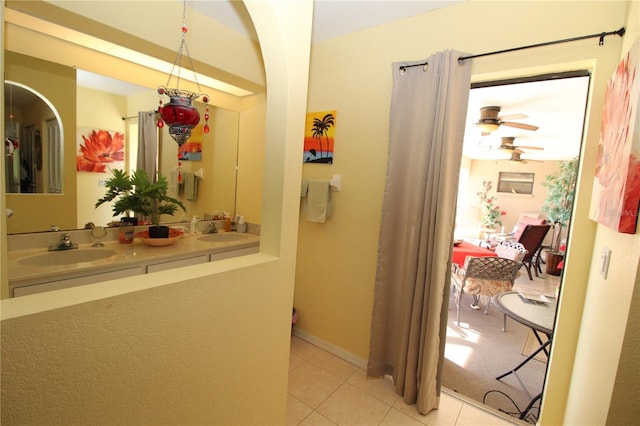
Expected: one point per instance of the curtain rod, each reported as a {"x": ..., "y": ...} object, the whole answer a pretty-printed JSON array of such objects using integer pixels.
[
  {"x": 135, "y": 116},
  {"x": 601, "y": 36}
]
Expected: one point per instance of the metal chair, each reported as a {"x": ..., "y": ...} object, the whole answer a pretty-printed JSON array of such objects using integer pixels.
[
  {"x": 531, "y": 239},
  {"x": 511, "y": 250},
  {"x": 483, "y": 276}
]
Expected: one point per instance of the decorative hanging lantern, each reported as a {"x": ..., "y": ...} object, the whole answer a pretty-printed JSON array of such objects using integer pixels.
[{"x": 179, "y": 114}]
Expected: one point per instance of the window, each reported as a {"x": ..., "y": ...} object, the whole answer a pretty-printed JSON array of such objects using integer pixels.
[
  {"x": 54, "y": 178},
  {"x": 515, "y": 183}
]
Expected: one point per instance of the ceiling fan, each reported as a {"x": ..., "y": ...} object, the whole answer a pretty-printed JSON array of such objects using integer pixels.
[
  {"x": 507, "y": 146},
  {"x": 515, "y": 158},
  {"x": 490, "y": 121}
]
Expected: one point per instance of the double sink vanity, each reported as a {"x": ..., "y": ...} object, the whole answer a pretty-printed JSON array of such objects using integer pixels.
[{"x": 33, "y": 269}]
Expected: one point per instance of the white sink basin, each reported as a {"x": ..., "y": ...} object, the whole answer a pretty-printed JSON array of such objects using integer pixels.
[
  {"x": 218, "y": 238},
  {"x": 66, "y": 257}
]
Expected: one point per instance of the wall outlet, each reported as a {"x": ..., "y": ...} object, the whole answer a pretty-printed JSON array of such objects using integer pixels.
[
  {"x": 102, "y": 183},
  {"x": 604, "y": 262}
]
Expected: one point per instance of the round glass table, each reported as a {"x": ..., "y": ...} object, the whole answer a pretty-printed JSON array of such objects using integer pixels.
[{"x": 536, "y": 312}]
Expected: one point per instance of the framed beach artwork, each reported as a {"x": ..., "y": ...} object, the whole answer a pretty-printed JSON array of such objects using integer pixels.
[
  {"x": 319, "y": 137},
  {"x": 192, "y": 149},
  {"x": 99, "y": 151},
  {"x": 616, "y": 188}
]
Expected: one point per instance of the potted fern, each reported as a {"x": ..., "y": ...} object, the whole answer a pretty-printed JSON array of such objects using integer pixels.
[
  {"x": 136, "y": 193},
  {"x": 561, "y": 191}
]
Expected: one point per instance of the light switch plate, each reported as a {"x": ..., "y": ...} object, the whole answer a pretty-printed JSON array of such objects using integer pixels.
[{"x": 604, "y": 262}]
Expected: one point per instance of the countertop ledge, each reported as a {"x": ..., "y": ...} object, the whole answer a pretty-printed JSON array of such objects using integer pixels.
[{"x": 137, "y": 254}]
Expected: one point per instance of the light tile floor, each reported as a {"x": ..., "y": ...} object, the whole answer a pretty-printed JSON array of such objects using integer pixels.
[{"x": 326, "y": 390}]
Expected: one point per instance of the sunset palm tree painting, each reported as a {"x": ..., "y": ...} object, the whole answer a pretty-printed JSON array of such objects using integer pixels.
[
  {"x": 319, "y": 137},
  {"x": 192, "y": 149}
]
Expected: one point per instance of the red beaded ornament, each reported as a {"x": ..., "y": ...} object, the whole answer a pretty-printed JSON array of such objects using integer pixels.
[{"x": 179, "y": 114}]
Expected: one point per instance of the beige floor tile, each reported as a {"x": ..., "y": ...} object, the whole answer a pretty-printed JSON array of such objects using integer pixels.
[
  {"x": 333, "y": 365},
  {"x": 296, "y": 410},
  {"x": 381, "y": 388},
  {"x": 302, "y": 349},
  {"x": 349, "y": 406},
  {"x": 294, "y": 362},
  {"x": 470, "y": 415},
  {"x": 311, "y": 384},
  {"x": 396, "y": 418},
  {"x": 325, "y": 390},
  {"x": 446, "y": 414},
  {"x": 315, "y": 419}
]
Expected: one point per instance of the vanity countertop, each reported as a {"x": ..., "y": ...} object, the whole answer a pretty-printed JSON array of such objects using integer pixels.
[{"x": 125, "y": 255}]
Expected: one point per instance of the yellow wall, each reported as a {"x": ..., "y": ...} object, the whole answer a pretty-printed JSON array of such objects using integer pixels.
[
  {"x": 334, "y": 297},
  {"x": 200, "y": 345},
  {"x": 610, "y": 311},
  {"x": 513, "y": 205},
  {"x": 250, "y": 158}
]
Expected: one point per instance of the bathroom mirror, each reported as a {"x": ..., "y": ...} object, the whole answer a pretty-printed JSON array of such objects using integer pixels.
[
  {"x": 217, "y": 159},
  {"x": 48, "y": 45},
  {"x": 33, "y": 142}
]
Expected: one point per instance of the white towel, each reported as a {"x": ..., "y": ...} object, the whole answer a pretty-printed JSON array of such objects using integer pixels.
[
  {"x": 190, "y": 186},
  {"x": 174, "y": 185},
  {"x": 318, "y": 201},
  {"x": 304, "y": 188}
]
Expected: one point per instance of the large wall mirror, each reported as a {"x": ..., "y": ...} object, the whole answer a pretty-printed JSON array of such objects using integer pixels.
[{"x": 230, "y": 161}]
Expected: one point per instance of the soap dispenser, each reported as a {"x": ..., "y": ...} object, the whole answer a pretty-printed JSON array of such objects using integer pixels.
[{"x": 194, "y": 225}]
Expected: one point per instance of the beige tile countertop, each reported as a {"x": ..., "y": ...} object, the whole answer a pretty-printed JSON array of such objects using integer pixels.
[{"x": 25, "y": 269}]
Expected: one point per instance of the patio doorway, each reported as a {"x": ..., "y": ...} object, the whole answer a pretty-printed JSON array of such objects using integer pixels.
[{"x": 478, "y": 350}]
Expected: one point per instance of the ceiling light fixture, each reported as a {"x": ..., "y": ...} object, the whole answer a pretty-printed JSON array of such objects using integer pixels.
[
  {"x": 180, "y": 114},
  {"x": 488, "y": 126}
]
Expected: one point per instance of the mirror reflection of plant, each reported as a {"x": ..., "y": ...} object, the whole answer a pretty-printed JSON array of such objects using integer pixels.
[
  {"x": 561, "y": 191},
  {"x": 136, "y": 193}
]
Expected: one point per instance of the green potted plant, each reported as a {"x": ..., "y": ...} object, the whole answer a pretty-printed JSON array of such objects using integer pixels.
[
  {"x": 136, "y": 193},
  {"x": 561, "y": 191},
  {"x": 491, "y": 213}
]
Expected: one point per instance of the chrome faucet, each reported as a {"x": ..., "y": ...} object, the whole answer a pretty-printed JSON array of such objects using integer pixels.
[
  {"x": 63, "y": 244},
  {"x": 213, "y": 229}
]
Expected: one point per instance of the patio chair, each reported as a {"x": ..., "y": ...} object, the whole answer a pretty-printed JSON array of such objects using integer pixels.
[
  {"x": 483, "y": 276},
  {"x": 531, "y": 239},
  {"x": 511, "y": 250}
]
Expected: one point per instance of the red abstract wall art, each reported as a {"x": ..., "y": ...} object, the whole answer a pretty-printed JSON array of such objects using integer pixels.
[{"x": 616, "y": 189}]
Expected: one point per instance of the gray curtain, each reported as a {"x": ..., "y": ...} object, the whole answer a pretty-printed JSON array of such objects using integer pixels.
[
  {"x": 408, "y": 325},
  {"x": 148, "y": 143}
]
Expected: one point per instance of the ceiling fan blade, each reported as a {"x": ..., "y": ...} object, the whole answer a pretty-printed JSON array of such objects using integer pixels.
[
  {"x": 519, "y": 125},
  {"x": 512, "y": 117},
  {"x": 530, "y": 147}
]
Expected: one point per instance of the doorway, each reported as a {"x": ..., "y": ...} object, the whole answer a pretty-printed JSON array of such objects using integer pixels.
[{"x": 540, "y": 119}]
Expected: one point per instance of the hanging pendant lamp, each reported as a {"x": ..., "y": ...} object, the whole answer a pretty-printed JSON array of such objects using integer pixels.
[{"x": 179, "y": 114}]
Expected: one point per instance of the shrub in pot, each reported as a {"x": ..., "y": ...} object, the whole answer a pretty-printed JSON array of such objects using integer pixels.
[
  {"x": 136, "y": 193},
  {"x": 561, "y": 191}
]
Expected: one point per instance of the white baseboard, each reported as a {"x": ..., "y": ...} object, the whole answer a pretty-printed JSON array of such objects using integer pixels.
[{"x": 323, "y": 344}]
